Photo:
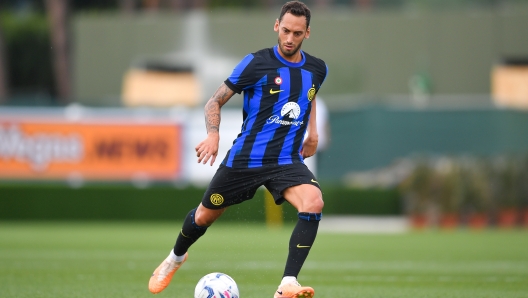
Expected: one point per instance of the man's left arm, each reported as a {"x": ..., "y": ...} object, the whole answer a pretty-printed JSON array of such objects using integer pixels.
[{"x": 312, "y": 138}]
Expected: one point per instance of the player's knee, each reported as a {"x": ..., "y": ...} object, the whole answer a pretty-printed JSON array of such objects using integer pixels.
[
  {"x": 205, "y": 217},
  {"x": 318, "y": 204},
  {"x": 202, "y": 219},
  {"x": 313, "y": 203}
]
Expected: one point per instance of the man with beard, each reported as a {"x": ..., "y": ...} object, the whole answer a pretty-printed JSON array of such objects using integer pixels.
[{"x": 279, "y": 85}]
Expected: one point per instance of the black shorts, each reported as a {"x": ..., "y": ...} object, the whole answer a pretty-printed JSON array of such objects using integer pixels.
[{"x": 231, "y": 186}]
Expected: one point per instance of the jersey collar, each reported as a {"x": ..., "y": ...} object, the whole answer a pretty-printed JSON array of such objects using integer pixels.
[{"x": 288, "y": 63}]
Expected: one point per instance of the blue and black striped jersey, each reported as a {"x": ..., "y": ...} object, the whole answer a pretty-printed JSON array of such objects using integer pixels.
[{"x": 277, "y": 105}]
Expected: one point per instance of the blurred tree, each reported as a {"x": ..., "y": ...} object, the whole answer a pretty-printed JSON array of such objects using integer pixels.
[
  {"x": 58, "y": 17},
  {"x": 27, "y": 53},
  {"x": 4, "y": 91}
]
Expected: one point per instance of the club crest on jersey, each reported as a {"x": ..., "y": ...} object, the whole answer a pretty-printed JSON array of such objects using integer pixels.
[
  {"x": 289, "y": 114},
  {"x": 311, "y": 93},
  {"x": 217, "y": 199},
  {"x": 278, "y": 80}
]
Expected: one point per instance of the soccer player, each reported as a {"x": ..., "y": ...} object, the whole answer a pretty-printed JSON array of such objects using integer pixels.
[{"x": 280, "y": 86}]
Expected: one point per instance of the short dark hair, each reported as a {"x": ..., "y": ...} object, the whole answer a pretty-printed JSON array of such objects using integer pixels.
[{"x": 296, "y": 8}]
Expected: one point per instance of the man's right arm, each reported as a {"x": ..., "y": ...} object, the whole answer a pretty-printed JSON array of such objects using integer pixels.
[
  {"x": 208, "y": 148},
  {"x": 212, "y": 108}
]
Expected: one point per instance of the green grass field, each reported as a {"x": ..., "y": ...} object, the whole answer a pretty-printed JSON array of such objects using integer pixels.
[{"x": 116, "y": 260}]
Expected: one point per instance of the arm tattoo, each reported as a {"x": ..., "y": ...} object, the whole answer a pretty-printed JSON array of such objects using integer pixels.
[{"x": 212, "y": 108}]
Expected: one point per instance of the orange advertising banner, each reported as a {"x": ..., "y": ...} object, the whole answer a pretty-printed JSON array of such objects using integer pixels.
[{"x": 89, "y": 150}]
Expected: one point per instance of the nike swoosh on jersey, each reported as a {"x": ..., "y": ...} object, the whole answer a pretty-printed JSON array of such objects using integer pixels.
[
  {"x": 315, "y": 181},
  {"x": 275, "y": 91}
]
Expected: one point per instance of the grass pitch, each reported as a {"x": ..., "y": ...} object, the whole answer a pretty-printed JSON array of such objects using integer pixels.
[{"x": 108, "y": 259}]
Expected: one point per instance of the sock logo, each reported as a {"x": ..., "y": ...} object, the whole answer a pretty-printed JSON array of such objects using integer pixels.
[
  {"x": 217, "y": 199},
  {"x": 302, "y": 246},
  {"x": 181, "y": 231}
]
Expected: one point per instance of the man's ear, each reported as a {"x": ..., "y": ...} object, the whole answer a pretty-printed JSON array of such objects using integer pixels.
[
  {"x": 276, "y": 26},
  {"x": 307, "y": 35}
]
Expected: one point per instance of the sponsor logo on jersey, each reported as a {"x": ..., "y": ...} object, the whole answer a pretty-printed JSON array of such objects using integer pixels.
[
  {"x": 275, "y": 91},
  {"x": 289, "y": 114},
  {"x": 291, "y": 110},
  {"x": 217, "y": 199}
]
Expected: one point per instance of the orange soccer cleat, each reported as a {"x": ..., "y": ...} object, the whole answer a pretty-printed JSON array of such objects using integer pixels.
[
  {"x": 294, "y": 290},
  {"x": 162, "y": 276}
]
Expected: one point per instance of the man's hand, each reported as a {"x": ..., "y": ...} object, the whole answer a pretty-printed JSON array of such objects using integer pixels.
[
  {"x": 309, "y": 146},
  {"x": 208, "y": 148}
]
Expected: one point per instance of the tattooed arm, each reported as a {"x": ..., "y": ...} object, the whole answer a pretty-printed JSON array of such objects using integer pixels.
[
  {"x": 212, "y": 108},
  {"x": 208, "y": 148}
]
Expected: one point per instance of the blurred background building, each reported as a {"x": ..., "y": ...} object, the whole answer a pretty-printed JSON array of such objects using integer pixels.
[{"x": 419, "y": 91}]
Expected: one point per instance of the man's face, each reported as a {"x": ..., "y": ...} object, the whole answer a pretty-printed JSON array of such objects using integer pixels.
[{"x": 292, "y": 31}]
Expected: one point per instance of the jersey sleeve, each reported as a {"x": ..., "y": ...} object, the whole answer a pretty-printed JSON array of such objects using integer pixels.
[
  {"x": 243, "y": 76},
  {"x": 322, "y": 76},
  {"x": 325, "y": 74}
]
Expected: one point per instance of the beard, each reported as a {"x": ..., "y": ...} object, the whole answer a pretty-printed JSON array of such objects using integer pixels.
[{"x": 289, "y": 53}]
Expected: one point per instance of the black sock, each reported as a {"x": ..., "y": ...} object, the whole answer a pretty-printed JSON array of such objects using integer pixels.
[
  {"x": 301, "y": 241},
  {"x": 189, "y": 233}
]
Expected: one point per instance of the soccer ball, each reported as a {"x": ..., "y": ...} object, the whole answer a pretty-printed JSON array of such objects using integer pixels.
[{"x": 216, "y": 285}]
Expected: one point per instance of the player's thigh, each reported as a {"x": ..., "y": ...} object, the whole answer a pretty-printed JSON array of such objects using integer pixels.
[
  {"x": 231, "y": 186},
  {"x": 296, "y": 184},
  {"x": 305, "y": 198}
]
